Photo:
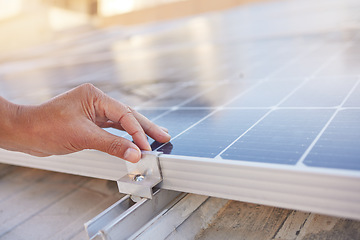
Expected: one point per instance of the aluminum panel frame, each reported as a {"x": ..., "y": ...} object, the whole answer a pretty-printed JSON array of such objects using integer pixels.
[
  {"x": 86, "y": 163},
  {"x": 319, "y": 190}
]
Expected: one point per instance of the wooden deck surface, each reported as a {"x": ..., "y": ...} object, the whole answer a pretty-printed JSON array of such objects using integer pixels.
[{"x": 36, "y": 204}]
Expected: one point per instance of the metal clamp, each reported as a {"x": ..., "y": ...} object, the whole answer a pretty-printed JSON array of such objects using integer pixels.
[{"x": 141, "y": 177}]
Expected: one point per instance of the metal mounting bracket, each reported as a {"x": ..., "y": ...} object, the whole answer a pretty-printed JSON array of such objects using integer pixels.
[{"x": 141, "y": 177}]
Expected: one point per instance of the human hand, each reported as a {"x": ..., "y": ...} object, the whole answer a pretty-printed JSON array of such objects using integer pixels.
[{"x": 73, "y": 121}]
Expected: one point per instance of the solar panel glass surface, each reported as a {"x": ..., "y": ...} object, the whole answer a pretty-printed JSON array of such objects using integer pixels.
[{"x": 226, "y": 85}]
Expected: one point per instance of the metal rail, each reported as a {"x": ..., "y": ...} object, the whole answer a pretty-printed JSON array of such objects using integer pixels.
[{"x": 125, "y": 218}]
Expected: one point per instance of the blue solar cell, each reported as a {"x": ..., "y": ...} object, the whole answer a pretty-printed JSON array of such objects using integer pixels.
[
  {"x": 180, "y": 120},
  {"x": 282, "y": 137},
  {"x": 209, "y": 137},
  {"x": 339, "y": 145}
]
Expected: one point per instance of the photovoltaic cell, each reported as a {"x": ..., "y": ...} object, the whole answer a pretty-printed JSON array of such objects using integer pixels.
[
  {"x": 209, "y": 137},
  {"x": 282, "y": 137},
  {"x": 339, "y": 146},
  {"x": 176, "y": 121}
]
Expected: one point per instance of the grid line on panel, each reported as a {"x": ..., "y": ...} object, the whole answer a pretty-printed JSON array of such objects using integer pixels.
[
  {"x": 169, "y": 110},
  {"x": 339, "y": 108},
  {"x": 210, "y": 114},
  {"x": 328, "y": 61},
  {"x": 254, "y": 86},
  {"x": 265, "y": 115},
  {"x": 224, "y": 81}
]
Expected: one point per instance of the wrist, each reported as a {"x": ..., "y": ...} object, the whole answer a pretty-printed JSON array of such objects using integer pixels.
[{"x": 10, "y": 125}]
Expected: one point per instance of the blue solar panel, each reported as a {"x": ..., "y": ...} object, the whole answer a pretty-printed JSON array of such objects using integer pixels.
[
  {"x": 271, "y": 120},
  {"x": 275, "y": 95}
]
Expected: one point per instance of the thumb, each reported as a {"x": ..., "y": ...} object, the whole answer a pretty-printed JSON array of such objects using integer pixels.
[{"x": 114, "y": 145}]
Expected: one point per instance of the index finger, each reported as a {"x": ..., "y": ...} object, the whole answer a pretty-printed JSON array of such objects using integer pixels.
[
  {"x": 118, "y": 112},
  {"x": 151, "y": 129}
]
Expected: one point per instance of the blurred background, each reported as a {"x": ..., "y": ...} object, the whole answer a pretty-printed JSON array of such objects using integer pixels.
[
  {"x": 137, "y": 50},
  {"x": 50, "y": 46},
  {"x": 27, "y": 22}
]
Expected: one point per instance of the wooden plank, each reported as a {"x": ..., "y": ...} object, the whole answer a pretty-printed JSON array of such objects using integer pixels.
[
  {"x": 293, "y": 225},
  {"x": 21, "y": 207},
  {"x": 63, "y": 219},
  {"x": 75, "y": 229},
  {"x": 39, "y": 204},
  {"x": 326, "y": 227},
  {"x": 239, "y": 220},
  {"x": 199, "y": 220},
  {"x": 14, "y": 180}
]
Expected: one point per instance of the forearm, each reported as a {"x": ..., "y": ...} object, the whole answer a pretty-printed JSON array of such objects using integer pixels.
[
  {"x": 19, "y": 128},
  {"x": 8, "y": 121}
]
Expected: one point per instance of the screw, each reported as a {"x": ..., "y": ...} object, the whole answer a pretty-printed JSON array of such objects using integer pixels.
[{"x": 138, "y": 178}]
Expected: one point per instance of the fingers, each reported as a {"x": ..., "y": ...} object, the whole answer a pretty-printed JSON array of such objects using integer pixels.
[
  {"x": 124, "y": 118},
  {"x": 120, "y": 113},
  {"x": 160, "y": 134},
  {"x": 111, "y": 124},
  {"x": 113, "y": 145}
]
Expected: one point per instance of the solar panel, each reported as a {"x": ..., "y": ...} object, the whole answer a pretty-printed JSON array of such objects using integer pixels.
[
  {"x": 246, "y": 106},
  {"x": 276, "y": 122}
]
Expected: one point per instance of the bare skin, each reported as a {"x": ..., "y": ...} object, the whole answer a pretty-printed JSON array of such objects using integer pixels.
[{"x": 72, "y": 122}]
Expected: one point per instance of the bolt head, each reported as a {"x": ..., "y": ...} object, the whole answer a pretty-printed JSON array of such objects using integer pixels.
[{"x": 138, "y": 178}]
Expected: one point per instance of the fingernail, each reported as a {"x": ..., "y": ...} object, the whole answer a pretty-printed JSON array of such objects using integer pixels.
[
  {"x": 132, "y": 155},
  {"x": 165, "y": 134}
]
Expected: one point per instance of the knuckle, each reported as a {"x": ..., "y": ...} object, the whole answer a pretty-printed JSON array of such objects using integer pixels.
[
  {"x": 87, "y": 86},
  {"x": 128, "y": 110},
  {"x": 125, "y": 115},
  {"x": 115, "y": 148}
]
